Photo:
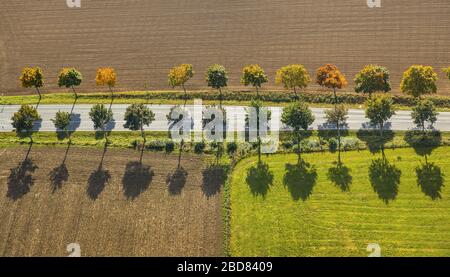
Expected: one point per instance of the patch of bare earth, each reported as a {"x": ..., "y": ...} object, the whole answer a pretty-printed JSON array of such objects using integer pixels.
[
  {"x": 143, "y": 39},
  {"x": 116, "y": 208}
]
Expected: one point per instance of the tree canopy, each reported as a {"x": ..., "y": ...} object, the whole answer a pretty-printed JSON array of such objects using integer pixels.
[
  {"x": 293, "y": 76},
  {"x": 254, "y": 75},
  {"x": 419, "y": 80},
  {"x": 179, "y": 75},
  {"x": 69, "y": 77},
  {"x": 24, "y": 119},
  {"x": 379, "y": 109},
  {"x": 373, "y": 78},
  {"x": 424, "y": 112},
  {"x": 216, "y": 76},
  {"x": 137, "y": 116},
  {"x": 106, "y": 76},
  {"x": 330, "y": 76}
]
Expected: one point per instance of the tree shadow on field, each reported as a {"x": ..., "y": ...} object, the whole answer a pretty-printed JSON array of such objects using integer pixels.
[
  {"x": 385, "y": 179},
  {"x": 430, "y": 179},
  {"x": 176, "y": 181},
  {"x": 213, "y": 179},
  {"x": 20, "y": 179},
  {"x": 375, "y": 143},
  {"x": 137, "y": 179},
  {"x": 259, "y": 178},
  {"x": 60, "y": 174},
  {"x": 300, "y": 180},
  {"x": 98, "y": 179},
  {"x": 340, "y": 175},
  {"x": 423, "y": 143}
]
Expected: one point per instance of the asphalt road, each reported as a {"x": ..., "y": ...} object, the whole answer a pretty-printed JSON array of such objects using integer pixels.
[{"x": 81, "y": 122}]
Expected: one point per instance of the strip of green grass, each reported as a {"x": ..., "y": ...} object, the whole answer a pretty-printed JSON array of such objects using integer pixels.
[
  {"x": 161, "y": 97},
  {"x": 297, "y": 214}
]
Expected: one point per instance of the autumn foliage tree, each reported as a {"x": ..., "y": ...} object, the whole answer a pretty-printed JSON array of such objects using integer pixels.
[
  {"x": 419, "y": 80},
  {"x": 293, "y": 76},
  {"x": 106, "y": 76},
  {"x": 373, "y": 78},
  {"x": 217, "y": 78},
  {"x": 70, "y": 78},
  {"x": 254, "y": 75},
  {"x": 179, "y": 75},
  {"x": 329, "y": 76},
  {"x": 447, "y": 72},
  {"x": 32, "y": 77}
]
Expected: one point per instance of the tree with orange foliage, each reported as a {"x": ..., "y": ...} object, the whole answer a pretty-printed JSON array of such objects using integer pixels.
[
  {"x": 106, "y": 76},
  {"x": 329, "y": 76}
]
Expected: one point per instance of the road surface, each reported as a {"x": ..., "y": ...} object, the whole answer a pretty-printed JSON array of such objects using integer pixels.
[{"x": 81, "y": 121}]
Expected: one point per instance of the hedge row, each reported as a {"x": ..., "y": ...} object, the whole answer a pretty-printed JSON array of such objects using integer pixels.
[{"x": 318, "y": 97}]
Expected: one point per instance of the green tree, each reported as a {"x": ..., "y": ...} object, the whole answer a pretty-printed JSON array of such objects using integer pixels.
[
  {"x": 101, "y": 116},
  {"x": 254, "y": 75},
  {"x": 179, "y": 75},
  {"x": 32, "y": 77},
  {"x": 217, "y": 78},
  {"x": 70, "y": 78},
  {"x": 293, "y": 76},
  {"x": 62, "y": 122},
  {"x": 380, "y": 109},
  {"x": 338, "y": 118},
  {"x": 23, "y": 121},
  {"x": 419, "y": 80},
  {"x": 371, "y": 79},
  {"x": 299, "y": 117},
  {"x": 137, "y": 116},
  {"x": 424, "y": 112}
]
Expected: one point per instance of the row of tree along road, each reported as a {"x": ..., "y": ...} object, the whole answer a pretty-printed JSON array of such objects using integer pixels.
[{"x": 417, "y": 81}]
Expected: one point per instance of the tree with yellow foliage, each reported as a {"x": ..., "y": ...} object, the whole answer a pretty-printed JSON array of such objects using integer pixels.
[
  {"x": 179, "y": 75},
  {"x": 329, "y": 76},
  {"x": 447, "y": 72},
  {"x": 419, "y": 80},
  {"x": 32, "y": 77},
  {"x": 106, "y": 76},
  {"x": 293, "y": 76},
  {"x": 254, "y": 75}
]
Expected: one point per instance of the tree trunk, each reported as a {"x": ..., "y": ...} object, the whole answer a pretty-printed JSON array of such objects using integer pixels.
[
  {"x": 381, "y": 129},
  {"x": 335, "y": 98},
  {"x": 39, "y": 93},
  {"x": 299, "y": 151},
  {"x": 74, "y": 92},
  {"x": 220, "y": 97}
]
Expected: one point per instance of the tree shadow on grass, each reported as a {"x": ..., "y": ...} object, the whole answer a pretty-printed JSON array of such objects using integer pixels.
[
  {"x": 20, "y": 179},
  {"x": 423, "y": 143},
  {"x": 259, "y": 178},
  {"x": 300, "y": 180},
  {"x": 60, "y": 174},
  {"x": 340, "y": 175},
  {"x": 213, "y": 179},
  {"x": 176, "y": 181},
  {"x": 137, "y": 179},
  {"x": 385, "y": 179},
  {"x": 375, "y": 143},
  {"x": 98, "y": 179},
  {"x": 430, "y": 179}
]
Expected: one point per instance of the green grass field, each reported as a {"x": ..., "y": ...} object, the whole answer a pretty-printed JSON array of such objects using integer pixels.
[{"x": 282, "y": 209}]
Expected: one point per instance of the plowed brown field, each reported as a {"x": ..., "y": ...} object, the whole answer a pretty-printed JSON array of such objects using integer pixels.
[
  {"x": 117, "y": 210},
  {"x": 142, "y": 39}
]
